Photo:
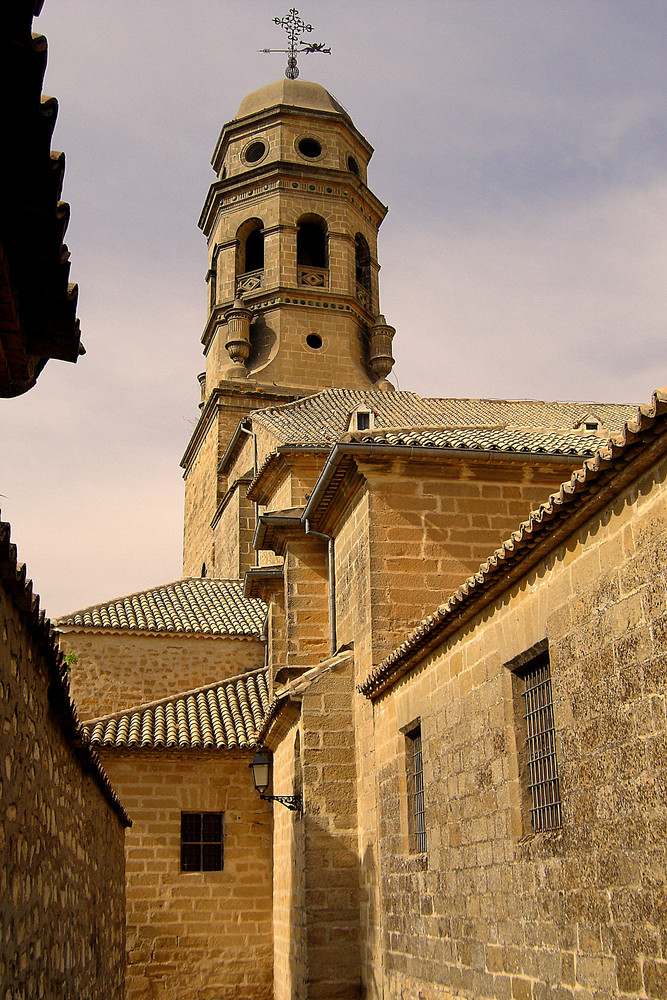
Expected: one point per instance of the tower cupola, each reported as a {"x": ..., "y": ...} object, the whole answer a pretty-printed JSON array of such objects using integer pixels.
[{"x": 292, "y": 232}]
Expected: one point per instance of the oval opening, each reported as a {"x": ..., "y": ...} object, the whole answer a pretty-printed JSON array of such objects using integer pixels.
[
  {"x": 314, "y": 340},
  {"x": 255, "y": 151},
  {"x": 310, "y": 148},
  {"x": 352, "y": 165}
]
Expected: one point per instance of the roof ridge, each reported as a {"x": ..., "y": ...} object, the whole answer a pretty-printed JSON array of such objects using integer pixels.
[
  {"x": 145, "y": 706},
  {"x": 147, "y": 590}
]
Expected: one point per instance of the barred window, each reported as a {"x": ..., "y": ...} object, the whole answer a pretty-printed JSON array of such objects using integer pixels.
[
  {"x": 541, "y": 745},
  {"x": 201, "y": 842},
  {"x": 416, "y": 814}
]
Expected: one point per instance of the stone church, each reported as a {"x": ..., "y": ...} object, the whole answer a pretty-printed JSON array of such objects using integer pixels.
[{"x": 441, "y": 623}]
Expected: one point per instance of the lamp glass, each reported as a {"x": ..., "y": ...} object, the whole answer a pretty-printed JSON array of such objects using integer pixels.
[{"x": 260, "y": 767}]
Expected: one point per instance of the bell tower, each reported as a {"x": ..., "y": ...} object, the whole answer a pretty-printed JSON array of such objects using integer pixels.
[
  {"x": 293, "y": 298},
  {"x": 292, "y": 234}
]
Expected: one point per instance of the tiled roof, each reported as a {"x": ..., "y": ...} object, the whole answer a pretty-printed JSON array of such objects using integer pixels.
[
  {"x": 222, "y": 716},
  {"x": 483, "y": 439},
  {"x": 193, "y": 605},
  {"x": 583, "y": 494},
  {"x": 38, "y": 627},
  {"x": 323, "y": 418}
]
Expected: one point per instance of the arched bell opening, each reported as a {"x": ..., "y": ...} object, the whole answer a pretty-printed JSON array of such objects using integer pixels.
[
  {"x": 249, "y": 256},
  {"x": 362, "y": 270},
  {"x": 312, "y": 251}
]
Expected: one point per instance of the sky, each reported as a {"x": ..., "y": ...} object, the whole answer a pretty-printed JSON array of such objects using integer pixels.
[{"x": 521, "y": 148}]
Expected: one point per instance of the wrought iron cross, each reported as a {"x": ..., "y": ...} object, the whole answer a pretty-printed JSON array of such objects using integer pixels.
[{"x": 295, "y": 26}]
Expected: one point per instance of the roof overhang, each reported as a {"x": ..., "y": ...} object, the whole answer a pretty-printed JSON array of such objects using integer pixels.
[
  {"x": 273, "y": 528},
  {"x": 345, "y": 454}
]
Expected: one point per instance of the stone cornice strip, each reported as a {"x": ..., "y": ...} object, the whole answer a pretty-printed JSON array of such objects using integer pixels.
[{"x": 642, "y": 442}]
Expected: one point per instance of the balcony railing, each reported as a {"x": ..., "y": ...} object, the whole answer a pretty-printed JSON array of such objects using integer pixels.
[
  {"x": 314, "y": 277},
  {"x": 250, "y": 281}
]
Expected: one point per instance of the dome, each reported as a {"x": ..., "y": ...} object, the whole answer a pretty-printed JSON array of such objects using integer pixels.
[{"x": 293, "y": 94}]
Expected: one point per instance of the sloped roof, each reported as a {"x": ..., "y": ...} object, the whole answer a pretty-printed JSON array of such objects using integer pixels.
[
  {"x": 323, "y": 418},
  {"x": 195, "y": 605},
  {"x": 222, "y": 716},
  {"x": 484, "y": 439},
  {"x": 36, "y": 625},
  {"x": 641, "y": 442}
]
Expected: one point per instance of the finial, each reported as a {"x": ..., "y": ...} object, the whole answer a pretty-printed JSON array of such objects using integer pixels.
[{"x": 295, "y": 26}]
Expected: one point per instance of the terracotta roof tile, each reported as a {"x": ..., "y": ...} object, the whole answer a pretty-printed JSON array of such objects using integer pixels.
[
  {"x": 552, "y": 520},
  {"x": 221, "y": 716},
  {"x": 485, "y": 439},
  {"x": 193, "y": 605},
  {"x": 323, "y": 418}
]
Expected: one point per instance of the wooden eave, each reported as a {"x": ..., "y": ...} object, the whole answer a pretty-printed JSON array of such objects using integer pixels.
[{"x": 37, "y": 302}]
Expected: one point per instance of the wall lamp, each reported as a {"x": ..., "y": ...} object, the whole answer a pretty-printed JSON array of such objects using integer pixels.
[{"x": 260, "y": 766}]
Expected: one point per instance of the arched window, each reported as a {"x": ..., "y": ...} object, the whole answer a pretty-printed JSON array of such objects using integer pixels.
[
  {"x": 311, "y": 242},
  {"x": 249, "y": 255},
  {"x": 362, "y": 262}
]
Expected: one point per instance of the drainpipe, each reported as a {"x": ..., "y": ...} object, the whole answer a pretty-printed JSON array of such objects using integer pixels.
[
  {"x": 332, "y": 582},
  {"x": 252, "y": 434}
]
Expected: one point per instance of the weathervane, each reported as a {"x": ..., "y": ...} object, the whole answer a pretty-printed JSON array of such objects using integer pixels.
[{"x": 295, "y": 26}]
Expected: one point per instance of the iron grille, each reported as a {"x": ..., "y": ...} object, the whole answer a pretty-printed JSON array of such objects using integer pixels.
[
  {"x": 541, "y": 744},
  {"x": 417, "y": 782}
]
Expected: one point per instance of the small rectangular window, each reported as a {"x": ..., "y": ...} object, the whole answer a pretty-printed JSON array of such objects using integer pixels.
[
  {"x": 416, "y": 811},
  {"x": 543, "y": 785},
  {"x": 201, "y": 842},
  {"x": 363, "y": 421}
]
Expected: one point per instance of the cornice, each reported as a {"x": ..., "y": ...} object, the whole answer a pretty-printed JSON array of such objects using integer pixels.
[{"x": 289, "y": 179}]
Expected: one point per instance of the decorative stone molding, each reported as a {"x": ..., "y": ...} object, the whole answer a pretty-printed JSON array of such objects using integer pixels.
[
  {"x": 380, "y": 356},
  {"x": 314, "y": 277},
  {"x": 363, "y": 297},
  {"x": 238, "y": 338},
  {"x": 249, "y": 282}
]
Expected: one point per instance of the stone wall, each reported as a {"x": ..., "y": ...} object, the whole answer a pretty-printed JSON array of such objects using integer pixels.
[
  {"x": 430, "y": 527},
  {"x": 195, "y": 935},
  {"x": 114, "y": 671},
  {"x": 316, "y": 872},
  {"x": 233, "y": 532},
  {"x": 494, "y": 909},
  {"x": 62, "y": 919}
]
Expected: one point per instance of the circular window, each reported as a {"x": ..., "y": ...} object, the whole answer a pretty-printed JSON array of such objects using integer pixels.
[
  {"x": 314, "y": 340},
  {"x": 255, "y": 151},
  {"x": 310, "y": 148},
  {"x": 352, "y": 165}
]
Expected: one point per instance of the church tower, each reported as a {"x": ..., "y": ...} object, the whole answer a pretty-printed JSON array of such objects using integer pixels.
[{"x": 293, "y": 299}]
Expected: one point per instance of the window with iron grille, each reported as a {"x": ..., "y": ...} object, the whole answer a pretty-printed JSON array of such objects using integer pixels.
[
  {"x": 416, "y": 813},
  {"x": 545, "y": 810},
  {"x": 201, "y": 842}
]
